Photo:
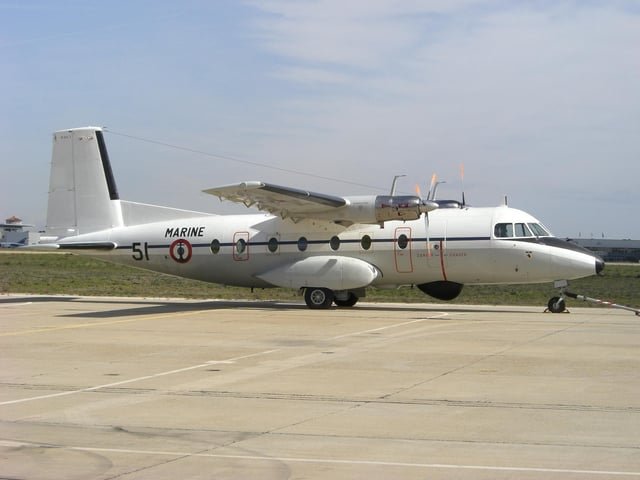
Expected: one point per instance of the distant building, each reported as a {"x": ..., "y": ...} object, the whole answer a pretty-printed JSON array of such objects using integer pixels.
[
  {"x": 14, "y": 233},
  {"x": 612, "y": 250}
]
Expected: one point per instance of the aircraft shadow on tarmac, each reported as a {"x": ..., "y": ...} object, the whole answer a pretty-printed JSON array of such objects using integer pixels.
[{"x": 140, "y": 307}]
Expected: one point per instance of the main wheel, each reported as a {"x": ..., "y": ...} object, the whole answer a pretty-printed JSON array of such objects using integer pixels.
[
  {"x": 556, "y": 305},
  {"x": 350, "y": 301},
  {"x": 318, "y": 297}
]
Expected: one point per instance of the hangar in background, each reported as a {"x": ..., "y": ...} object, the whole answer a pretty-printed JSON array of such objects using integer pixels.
[{"x": 612, "y": 250}]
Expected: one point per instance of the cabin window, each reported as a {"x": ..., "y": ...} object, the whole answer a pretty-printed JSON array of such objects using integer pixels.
[
  {"x": 403, "y": 241},
  {"x": 273, "y": 245},
  {"x": 503, "y": 230},
  {"x": 538, "y": 230},
  {"x": 303, "y": 243},
  {"x": 334, "y": 243},
  {"x": 241, "y": 246},
  {"x": 522, "y": 230},
  {"x": 215, "y": 246},
  {"x": 365, "y": 243}
]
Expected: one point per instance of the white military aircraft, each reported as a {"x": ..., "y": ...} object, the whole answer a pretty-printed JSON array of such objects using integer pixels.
[{"x": 330, "y": 247}]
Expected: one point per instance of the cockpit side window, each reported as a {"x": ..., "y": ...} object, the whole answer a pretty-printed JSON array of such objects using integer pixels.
[
  {"x": 510, "y": 230},
  {"x": 538, "y": 230},
  {"x": 503, "y": 230},
  {"x": 522, "y": 230}
]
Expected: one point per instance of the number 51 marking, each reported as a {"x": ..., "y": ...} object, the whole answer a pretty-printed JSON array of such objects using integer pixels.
[{"x": 138, "y": 252}]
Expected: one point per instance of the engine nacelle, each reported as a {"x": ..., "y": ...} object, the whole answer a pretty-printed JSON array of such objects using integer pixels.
[
  {"x": 397, "y": 207},
  {"x": 381, "y": 208}
]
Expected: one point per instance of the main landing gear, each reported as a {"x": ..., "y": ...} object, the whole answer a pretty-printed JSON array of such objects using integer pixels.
[{"x": 316, "y": 298}]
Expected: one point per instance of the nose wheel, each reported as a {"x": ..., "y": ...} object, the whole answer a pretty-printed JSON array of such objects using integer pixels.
[{"x": 556, "y": 305}]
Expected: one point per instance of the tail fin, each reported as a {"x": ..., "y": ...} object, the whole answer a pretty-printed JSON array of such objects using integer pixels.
[{"x": 83, "y": 196}]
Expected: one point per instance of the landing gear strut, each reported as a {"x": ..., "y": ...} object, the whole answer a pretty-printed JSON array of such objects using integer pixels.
[{"x": 557, "y": 304}]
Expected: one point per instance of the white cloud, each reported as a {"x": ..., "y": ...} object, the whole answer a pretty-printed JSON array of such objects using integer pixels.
[
  {"x": 357, "y": 34},
  {"x": 313, "y": 76},
  {"x": 539, "y": 100},
  {"x": 532, "y": 98}
]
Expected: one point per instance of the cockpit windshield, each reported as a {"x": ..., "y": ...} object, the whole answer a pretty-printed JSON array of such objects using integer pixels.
[
  {"x": 538, "y": 230},
  {"x": 517, "y": 230}
]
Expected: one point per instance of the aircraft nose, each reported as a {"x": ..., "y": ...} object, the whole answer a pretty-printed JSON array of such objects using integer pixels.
[{"x": 599, "y": 265}]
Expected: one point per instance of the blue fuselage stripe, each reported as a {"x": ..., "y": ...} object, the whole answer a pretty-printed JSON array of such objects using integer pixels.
[{"x": 323, "y": 242}]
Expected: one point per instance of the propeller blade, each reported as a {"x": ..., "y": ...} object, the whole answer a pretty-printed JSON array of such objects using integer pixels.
[
  {"x": 432, "y": 192},
  {"x": 426, "y": 229}
]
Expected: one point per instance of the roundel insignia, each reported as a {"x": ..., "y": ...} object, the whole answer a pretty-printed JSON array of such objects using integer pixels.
[{"x": 181, "y": 250}]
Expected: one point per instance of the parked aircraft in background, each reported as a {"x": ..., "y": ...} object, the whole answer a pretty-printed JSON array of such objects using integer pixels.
[
  {"x": 330, "y": 247},
  {"x": 12, "y": 244}
]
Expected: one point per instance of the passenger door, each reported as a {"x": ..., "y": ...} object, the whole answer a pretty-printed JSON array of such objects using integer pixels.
[
  {"x": 402, "y": 250},
  {"x": 241, "y": 246}
]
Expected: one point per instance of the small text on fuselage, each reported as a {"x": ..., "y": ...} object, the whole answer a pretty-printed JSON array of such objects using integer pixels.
[{"x": 175, "y": 232}]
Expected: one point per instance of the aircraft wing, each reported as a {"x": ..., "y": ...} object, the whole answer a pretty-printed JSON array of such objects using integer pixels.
[{"x": 285, "y": 202}]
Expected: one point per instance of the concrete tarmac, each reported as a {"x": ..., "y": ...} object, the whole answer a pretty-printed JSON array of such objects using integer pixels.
[{"x": 105, "y": 388}]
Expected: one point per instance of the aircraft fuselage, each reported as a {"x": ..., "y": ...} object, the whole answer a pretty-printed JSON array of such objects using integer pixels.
[{"x": 460, "y": 247}]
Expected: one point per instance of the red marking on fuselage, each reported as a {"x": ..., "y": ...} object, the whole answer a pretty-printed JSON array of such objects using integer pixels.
[{"x": 444, "y": 273}]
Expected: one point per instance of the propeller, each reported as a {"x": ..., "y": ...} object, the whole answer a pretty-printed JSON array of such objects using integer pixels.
[{"x": 428, "y": 204}]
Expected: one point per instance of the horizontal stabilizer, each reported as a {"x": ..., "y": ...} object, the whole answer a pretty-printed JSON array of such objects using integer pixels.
[
  {"x": 87, "y": 246},
  {"x": 48, "y": 247}
]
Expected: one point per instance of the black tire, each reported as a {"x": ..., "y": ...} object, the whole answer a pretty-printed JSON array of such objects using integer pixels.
[
  {"x": 556, "y": 305},
  {"x": 318, "y": 297},
  {"x": 349, "y": 302}
]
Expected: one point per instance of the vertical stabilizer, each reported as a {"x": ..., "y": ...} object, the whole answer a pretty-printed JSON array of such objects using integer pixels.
[{"x": 83, "y": 196}]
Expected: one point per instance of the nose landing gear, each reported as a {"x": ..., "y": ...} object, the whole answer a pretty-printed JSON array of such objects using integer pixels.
[{"x": 557, "y": 304}]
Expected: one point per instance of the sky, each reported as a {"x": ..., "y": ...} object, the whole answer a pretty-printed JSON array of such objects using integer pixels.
[{"x": 535, "y": 100}]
